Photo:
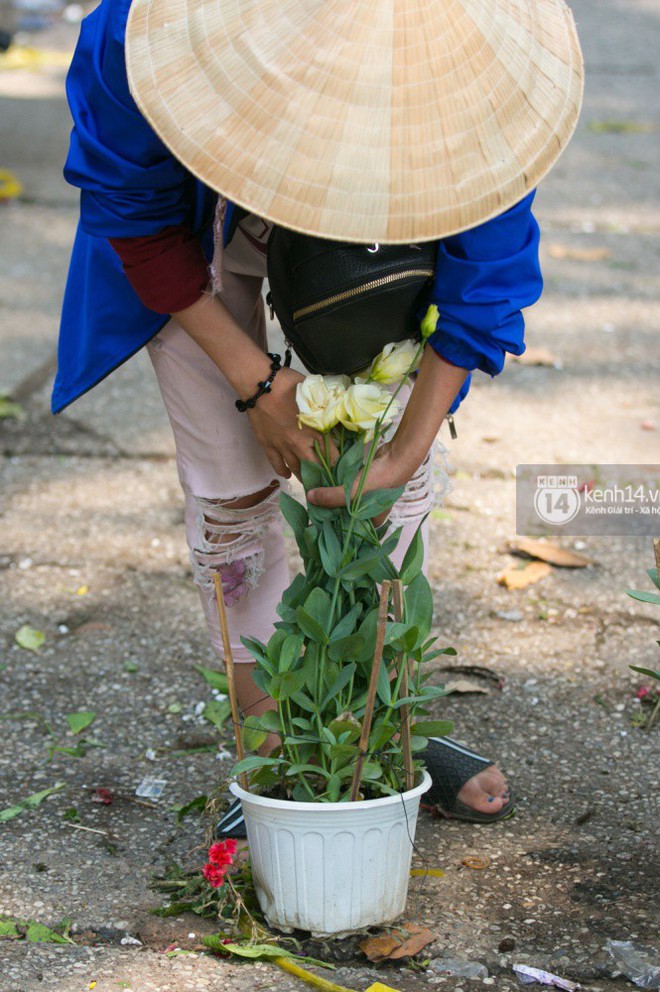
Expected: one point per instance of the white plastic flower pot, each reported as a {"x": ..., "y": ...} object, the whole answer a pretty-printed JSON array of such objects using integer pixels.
[{"x": 331, "y": 867}]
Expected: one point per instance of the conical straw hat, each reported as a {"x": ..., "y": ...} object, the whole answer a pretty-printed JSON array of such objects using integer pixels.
[{"x": 360, "y": 120}]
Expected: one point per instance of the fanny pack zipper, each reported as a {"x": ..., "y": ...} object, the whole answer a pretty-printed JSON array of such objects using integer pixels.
[{"x": 348, "y": 294}]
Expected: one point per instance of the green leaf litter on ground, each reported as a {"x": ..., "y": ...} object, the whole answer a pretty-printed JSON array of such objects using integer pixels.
[
  {"x": 196, "y": 805},
  {"x": 9, "y": 409},
  {"x": 30, "y": 802},
  {"x": 217, "y": 680},
  {"x": 29, "y": 638},
  {"x": 621, "y": 127},
  {"x": 80, "y": 721},
  {"x": 257, "y": 952},
  {"x": 33, "y": 932}
]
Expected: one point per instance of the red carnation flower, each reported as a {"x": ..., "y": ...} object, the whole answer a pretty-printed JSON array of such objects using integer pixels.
[
  {"x": 219, "y": 855},
  {"x": 214, "y": 875}
]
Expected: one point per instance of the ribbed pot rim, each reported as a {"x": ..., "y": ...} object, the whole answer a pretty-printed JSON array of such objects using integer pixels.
[{"x": 292, "y": 805}]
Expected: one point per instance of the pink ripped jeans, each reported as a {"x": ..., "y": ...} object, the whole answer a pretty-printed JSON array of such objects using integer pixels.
[{"x": 220, "y": 462}]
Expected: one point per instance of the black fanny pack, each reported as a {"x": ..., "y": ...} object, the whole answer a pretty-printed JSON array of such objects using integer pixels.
[{"x": 339, "y": 304}]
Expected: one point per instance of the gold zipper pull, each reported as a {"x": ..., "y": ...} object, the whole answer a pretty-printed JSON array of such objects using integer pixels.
[{"x": 452, "y": 426}]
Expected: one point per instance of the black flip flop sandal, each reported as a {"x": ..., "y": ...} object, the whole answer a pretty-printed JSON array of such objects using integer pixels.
[
  {"x": 450, "y": 766},
  {"x": 231, "y": 823}
]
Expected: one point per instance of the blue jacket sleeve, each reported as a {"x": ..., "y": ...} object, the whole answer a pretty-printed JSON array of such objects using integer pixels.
[
  {"x": 484, "y": 277},
  {"x": 131, "y": 184}
]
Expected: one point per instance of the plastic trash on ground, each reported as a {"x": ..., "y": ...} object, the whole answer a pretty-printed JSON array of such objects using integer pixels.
[{"x": 638, "y": 963}]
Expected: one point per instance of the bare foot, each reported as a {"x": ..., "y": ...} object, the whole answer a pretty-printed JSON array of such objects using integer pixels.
[{"x": 485, "y": 792}]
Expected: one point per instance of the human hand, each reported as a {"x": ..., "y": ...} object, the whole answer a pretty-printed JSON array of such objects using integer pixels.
[
  {"x": 274, "y": 420},
  {"x": 388, "y": 470}
]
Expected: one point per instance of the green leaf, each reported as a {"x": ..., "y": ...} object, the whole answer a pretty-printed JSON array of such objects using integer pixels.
[
  {"x": 377, "y": 501},
  {"x": 302, "y": 700},
  {"x": 340, "y": 727},
  {"x": 217, "y": 712},
  {"x": 285, "y": 684},
  {"x": 253, "y": 737},
  {"x": 346, "y": 625},
  {"x": 9, "y": 409},
  {"x": 295, "y": 515},
  {"x": 380, "y": 735},
  {"x": 217, "y": 680},
  {"x": 29, "y": 638},
  {"x": 311, "y": 475},
  {"x": 8, "y": 928},
  {"x": 419, "y": 605},
  {"x": 347, "y": 647},
  {"x": 256, "y": 951},
  {"x": 402, "y": 636},
  {"x": 643, "y": 596},
  {"x": 361, "y": 566},
  {"x": 318, "y": 605},
  {"x": 252, "y": 762},
  {"x": 30, "y": 802},
  {"x": 342, "y": 680},
  {"x": 384, "y": 688},
  {"x": 653, "y": 576},
  {"x": 645, "y": 671},
  {"x": 330, "y": 549},
  {"x": 290, "y": 651},
  {"x": 350, "y": 463},
  {"x": 37, "y": 933},
  {"x": 413, "y": 559},
  {"x": 80, "y": 721},
  {"x": 270, "y": 722},
  {"x": 426, "y": 695},
  {"x": 432, "y": 728},
  {"x": 311, "y": 627},
  {"x": 315, "y": 769},
  {"x": 196, "y": 805}
]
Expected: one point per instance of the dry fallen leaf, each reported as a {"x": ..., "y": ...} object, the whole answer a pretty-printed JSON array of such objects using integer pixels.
[
  {"x": 464, "y": 685},
  {"x": 477, "y": 864},
  {"x": 536, "y": 356},
  {"x": 520, "y": 576},
  {"x": 545, "y": 551},
  {"x": 401, "y": 942},
  {"x": 578, "y": 254}
]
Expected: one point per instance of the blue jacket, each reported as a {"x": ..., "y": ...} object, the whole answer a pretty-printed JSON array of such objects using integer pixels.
[{"x": 131, "y": 186}]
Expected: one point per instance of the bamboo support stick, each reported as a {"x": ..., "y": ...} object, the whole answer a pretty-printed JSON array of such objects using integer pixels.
[
  {"x": 229, "y": 665},
  {"x": 373, "y": 685},
  {"x": 656, "y": 551},
  {"x": 397, "y": 589}
]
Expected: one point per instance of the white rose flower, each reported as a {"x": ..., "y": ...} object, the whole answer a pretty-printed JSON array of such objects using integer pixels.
[
  {"x": 319, "y": 400},
  {"x": 393, "y": 362},
  {"x": 363, "y": 405}
]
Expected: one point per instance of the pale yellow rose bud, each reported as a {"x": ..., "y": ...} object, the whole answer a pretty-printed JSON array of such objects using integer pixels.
[
  {"x": 319, "y": 400},
  {"x": 430, "y": 321},
  {"x": 394, "y": 362},
  {"x": 363, "y": 405}
]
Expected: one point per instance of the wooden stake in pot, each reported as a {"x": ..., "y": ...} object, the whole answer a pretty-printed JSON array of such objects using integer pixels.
[
  {"x": 397, "y": 589},
  {"x": 373, "y": 685},
  {"x": 229, "y": 665}
]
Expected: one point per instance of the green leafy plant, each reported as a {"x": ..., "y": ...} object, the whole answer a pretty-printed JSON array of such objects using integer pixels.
[
  {"x": 318, "y": 664},
  {"x": 649, "y": 597}
]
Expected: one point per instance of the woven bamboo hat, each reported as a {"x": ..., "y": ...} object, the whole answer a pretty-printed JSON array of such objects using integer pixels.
[{"x": 360, "y": 120}]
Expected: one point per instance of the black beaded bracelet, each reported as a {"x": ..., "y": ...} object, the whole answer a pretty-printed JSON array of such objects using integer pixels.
[{"x": 264, "y": 387}]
